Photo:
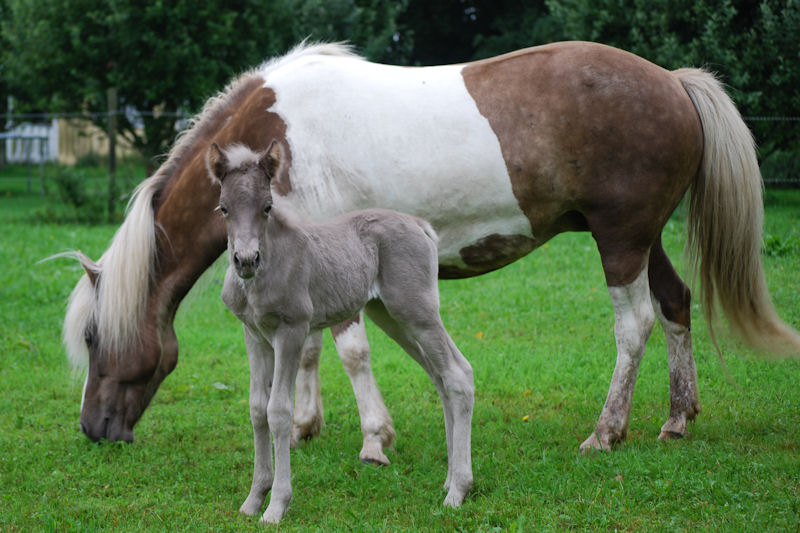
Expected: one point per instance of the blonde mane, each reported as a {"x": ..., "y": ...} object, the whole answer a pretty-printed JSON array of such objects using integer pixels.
[{"x": 119, "y": 302}]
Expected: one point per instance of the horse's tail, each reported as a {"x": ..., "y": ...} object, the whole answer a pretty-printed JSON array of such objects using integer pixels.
[{"x": 725, "y": 221}]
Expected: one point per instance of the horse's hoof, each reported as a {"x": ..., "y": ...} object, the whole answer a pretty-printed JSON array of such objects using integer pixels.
[
  {"x": 671, "y": 435},
  {"x": 373, "y": 454},
  {"x": 380, "y": 460},
  {"x": 592, "y": 445}
]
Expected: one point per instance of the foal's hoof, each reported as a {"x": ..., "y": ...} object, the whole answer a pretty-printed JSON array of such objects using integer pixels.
[
  {"x": 593, "y": 445},
  {"x": 372, "y": 453},
  {"x": 671, "y": 435},
  {"x": 251, "y": 508},
  {"x": 378, "y": 459}
]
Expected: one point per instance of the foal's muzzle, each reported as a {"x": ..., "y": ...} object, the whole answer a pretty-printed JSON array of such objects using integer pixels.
[{"x": 246, "y": 264}]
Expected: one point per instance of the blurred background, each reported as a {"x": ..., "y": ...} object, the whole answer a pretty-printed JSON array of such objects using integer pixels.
[{"x": 81, "y": 80}]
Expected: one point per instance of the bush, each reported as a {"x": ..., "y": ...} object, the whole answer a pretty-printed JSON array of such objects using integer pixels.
[
  {"x": 76, "y": 201},
  {"x": 782, "y": 169}
]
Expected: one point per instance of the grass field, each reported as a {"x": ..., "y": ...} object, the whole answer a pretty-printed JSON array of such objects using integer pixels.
[{"x": 539, "y": 335}]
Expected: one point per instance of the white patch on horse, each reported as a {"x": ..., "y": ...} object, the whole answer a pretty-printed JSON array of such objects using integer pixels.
[
  {"x": 684, "y": 397},
  {"x": 633, "y": 321},
  {"x": 413, "y": 140}
]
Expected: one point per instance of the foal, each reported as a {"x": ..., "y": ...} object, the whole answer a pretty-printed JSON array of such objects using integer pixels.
[{"x": 287, "y": 280}]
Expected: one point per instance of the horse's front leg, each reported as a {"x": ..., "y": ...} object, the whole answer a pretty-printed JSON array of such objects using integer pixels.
[
  {"x": 376, "y": 425},
  {"x": 289, "y": 340},
  {"x": 308, "y": 415},
  {"x": 261, "y": 358}
]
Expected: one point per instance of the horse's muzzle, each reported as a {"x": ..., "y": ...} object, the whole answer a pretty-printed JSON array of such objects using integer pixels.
[
  {"x": 246, "y": 264},
  {"x": 108, "y": 431}
]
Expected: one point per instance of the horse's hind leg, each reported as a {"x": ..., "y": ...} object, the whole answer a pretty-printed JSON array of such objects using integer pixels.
[
  {"x": 671, "y": 301},
  {"x": 308, "y": 417},
  {"x": 633, "y": 321},
  {"x": 376, "y": 424},
  {"x": 429, "y": 344}
]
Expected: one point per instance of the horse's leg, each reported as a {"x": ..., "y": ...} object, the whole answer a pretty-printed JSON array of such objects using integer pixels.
[
  {"x": 376, "y": 425},
  {"x": 427, "y": 341},
  {"x": 288, "y": 344},
  {"x": 672, "y": 301},
  {"x": 261, "y": 358},
  {"x": 308, "y": 415},
  {"x": 633, "y": 321}
]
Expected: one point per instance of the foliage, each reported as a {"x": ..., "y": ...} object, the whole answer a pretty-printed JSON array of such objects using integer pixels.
[
  {"x": 163, "y": 57},
  {"x": 782, "y": 168},
  {"x": 539, "y": 335}
]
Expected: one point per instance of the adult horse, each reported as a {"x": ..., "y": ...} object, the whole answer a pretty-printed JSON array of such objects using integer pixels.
[{"x": 499, "y": 155}]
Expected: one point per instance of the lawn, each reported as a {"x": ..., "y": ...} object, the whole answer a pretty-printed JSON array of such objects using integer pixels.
[{"x": 539, "y": 335}]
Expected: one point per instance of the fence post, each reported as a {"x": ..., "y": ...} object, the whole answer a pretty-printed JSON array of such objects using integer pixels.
[{"x": 112, "y": 151}]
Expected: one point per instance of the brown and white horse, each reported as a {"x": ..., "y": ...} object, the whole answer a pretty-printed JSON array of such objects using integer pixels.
[{"x": 499, "y": 155}]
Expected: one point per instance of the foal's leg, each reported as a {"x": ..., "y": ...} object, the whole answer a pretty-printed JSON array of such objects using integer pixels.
[
  {"x": 633, "y": 321},
  {"x": 429, "y": 344},
  {"x": 308, "y": 415},
  {"x": 261, "y": 358},
  {"x": 289, "y": 340},
  {"x": 671, "y": 301},
  {"x": 376, "y": 425}
]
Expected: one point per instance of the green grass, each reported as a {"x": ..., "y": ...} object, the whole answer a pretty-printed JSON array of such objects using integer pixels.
[{"x": 539, "y": 335}]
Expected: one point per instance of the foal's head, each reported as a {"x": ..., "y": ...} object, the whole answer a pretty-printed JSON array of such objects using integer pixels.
[{"x": 245, "y": 199}]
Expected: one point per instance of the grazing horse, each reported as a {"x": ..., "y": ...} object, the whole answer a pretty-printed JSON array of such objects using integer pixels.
[
  {"x": 499, "y": 155},
  {"x": 287, "y": 279}
]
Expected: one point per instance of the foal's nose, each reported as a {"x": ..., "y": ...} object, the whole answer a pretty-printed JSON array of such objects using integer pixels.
[{"x": 246, "y": 263}]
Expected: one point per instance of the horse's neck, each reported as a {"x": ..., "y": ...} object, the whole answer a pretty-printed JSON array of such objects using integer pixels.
[{"x": 192, "y": 237}]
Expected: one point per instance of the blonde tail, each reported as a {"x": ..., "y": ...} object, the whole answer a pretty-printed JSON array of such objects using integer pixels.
[{"x": 726, "y": 214}]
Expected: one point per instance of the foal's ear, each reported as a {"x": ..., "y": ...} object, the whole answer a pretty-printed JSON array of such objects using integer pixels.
[
  {"x": 92, "y": 269},
  {"x": 216, "y": 162},
  {"x": 270, "y": 161}
]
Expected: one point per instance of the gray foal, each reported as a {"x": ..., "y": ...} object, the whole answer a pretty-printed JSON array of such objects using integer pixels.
[{"x": 288, "y": 279}]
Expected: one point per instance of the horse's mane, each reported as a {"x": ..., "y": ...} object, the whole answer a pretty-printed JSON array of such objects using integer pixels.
[{"x": 118, "y": 304}]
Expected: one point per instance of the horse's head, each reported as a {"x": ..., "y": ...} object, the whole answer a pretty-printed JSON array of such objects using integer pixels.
[
  {"x": 125, "y": 365},
  {"x": 245, "y": 199}
]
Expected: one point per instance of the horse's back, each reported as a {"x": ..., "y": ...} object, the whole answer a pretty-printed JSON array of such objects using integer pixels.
[
  {"x": 589, "y": 127},
  {"x": 500, "y": 154}
]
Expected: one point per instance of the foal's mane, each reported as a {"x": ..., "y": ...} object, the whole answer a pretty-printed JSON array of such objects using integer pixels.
[{"x": 119, "y": 301}]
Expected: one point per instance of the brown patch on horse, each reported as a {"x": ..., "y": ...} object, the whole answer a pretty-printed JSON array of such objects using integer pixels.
[
  {"x": 496, "y": 251},
  {"x": 338, "y": 329},
  {"x": 592, "y": 130},
  {"x": 187, "y": 201}
]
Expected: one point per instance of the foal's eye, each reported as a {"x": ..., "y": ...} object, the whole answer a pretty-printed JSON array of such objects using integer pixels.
[
  {"x": 89, "y": 338},
  {"x": 267, "y": 209},
  {"x": 222, "y": 210}
]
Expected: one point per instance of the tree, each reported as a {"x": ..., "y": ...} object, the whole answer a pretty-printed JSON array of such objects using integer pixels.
[
  {"x": 162, "y": 57},
  {"x": 453, "y": 31}
]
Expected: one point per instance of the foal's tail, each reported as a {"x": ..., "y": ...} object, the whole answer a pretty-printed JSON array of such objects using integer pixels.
[{"x": 725, "y": 221}]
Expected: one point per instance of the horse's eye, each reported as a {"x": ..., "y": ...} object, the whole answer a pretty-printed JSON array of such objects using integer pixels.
[
  {"x": 89, "y": 338},
  {"x": 267, "y": 209},
  {"x": 223, "y": 210}
]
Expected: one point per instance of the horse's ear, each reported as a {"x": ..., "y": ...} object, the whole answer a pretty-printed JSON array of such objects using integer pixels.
[
  {"x": 216, "y": 162},
  {"x": 270, "y": 161},
  {"x": 92, "y": 269}
]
